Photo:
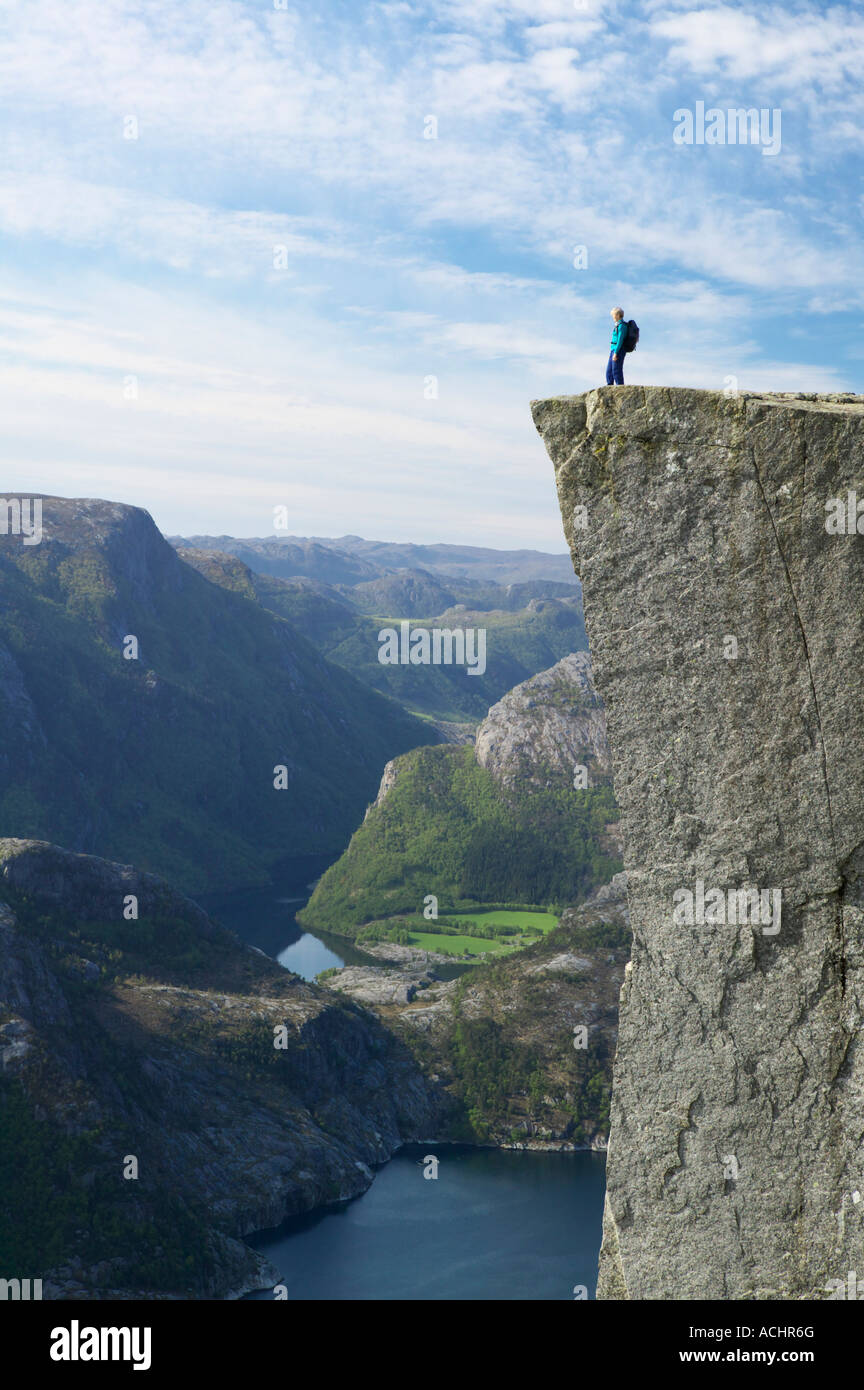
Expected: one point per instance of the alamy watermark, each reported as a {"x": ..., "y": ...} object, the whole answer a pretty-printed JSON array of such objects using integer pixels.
[
  {"x": 736, "y": 126},
  {"x": 77, "y": 1343},
  {"x": 21, "y": 516},
  {"x": 845, "y": 515},
  {"x": 20, "y": 1289},
  {"x": 851, "y": 1288},
  {"x": 435, "y": 646},
  {"x": 750, "y": 906}
]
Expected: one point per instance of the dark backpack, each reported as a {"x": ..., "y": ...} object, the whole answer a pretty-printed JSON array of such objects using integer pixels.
[{"x": 631, "y": 337}]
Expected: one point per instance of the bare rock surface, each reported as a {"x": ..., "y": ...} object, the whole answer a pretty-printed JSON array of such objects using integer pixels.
[
  {"x": 374, "y": 985},
  {"x": 726, "y": 627},
  {"x": 550, "y": 723}
]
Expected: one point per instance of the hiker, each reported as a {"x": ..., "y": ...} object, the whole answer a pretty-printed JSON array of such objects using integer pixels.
[{"x": 615, "y": 365}]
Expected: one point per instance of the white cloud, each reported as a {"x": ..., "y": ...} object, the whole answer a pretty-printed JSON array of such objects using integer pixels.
[{"x": 793, "y": 48}]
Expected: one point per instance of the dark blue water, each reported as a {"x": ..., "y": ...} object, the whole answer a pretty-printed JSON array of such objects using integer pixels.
[{"x": 496, "y": 1225}]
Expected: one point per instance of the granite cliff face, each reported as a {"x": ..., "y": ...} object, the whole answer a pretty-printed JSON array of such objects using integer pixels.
[{"x": 724, "y": 599}]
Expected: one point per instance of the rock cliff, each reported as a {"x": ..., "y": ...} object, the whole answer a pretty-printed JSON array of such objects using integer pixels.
[{"x": 723, "y": 577}]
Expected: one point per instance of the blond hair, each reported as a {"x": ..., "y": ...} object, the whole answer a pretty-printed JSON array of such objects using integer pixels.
[{"x": 617, "y": 313}]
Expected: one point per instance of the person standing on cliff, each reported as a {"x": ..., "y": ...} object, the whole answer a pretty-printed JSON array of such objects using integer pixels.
[{"x": 615, "y": 365}]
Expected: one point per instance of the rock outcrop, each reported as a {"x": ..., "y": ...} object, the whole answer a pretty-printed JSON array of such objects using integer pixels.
[
  {"x": 376, "y": 986},
  {"x": 547, "y": 725},
  {"x": 723, "y": 582}
]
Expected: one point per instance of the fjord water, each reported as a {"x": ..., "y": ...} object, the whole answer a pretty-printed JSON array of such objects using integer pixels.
[{"x": 495, "y": 1224}]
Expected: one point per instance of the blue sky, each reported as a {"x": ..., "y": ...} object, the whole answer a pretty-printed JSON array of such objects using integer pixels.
[{"x": 157, "y": 350}]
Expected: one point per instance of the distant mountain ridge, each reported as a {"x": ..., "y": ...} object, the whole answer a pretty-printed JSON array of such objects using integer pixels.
[{"x": 351, "y": 559}]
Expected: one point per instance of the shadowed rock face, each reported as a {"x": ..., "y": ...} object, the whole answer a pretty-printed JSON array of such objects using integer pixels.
[{"x": 726, "y": 628}]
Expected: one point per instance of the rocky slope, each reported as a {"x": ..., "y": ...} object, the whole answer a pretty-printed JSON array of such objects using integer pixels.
[
  {"x": 153, "y": 1039},
  {"x": 165, "y": 754},
  {"x": 502, "y": 1044},
  {"x": 725, "y": 619},
  {"x": 546, "y": 727}
]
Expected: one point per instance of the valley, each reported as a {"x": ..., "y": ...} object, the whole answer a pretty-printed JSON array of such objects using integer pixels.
[
  {"x": 527, "y": 624},
  {"x": 420, "y": 976}
]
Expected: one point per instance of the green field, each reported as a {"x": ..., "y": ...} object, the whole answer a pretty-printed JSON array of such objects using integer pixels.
[
  {"x": 457, "y": 945},
  {"x": 516, "y": 929},
  {"x": 532, "y": 921}
]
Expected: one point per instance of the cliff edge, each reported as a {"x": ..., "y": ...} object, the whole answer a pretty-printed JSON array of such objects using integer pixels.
[{"x": 722, "y": 567}]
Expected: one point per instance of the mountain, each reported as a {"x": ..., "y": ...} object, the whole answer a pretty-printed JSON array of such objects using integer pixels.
[
  {"x": 351, "y": 560},
  {"x": 168, "y": 759},
  {"x": 407, "y": 593},
  {"x": 723, "y": 567},
  {"x": 498, "y": 823},
  {"x": 148, "y": 1119},
  {"x": 420, "y": 594},
  {"x": 518, "y": 643}
]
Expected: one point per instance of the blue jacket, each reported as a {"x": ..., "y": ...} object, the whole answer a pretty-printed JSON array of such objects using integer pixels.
[{"x": 619, "y": 333}]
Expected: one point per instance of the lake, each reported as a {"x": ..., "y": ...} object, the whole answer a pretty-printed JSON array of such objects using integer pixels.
[
  {"x": 266, "y": 918},
  {"x": 495, "y": 1225}
]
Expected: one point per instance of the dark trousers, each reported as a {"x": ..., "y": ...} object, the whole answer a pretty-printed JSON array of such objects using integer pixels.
[{"x": 615, "y": 371}]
